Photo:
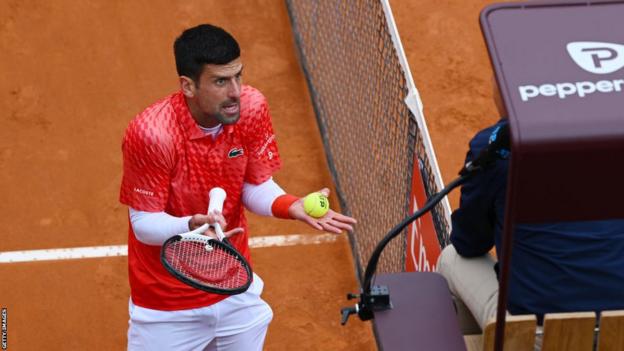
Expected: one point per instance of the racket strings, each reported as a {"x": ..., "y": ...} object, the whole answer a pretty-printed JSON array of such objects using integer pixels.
[{"x": 208, "y": 265}]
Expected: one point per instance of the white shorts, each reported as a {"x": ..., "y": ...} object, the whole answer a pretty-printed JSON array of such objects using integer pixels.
[{"x": 239, "y": 322}]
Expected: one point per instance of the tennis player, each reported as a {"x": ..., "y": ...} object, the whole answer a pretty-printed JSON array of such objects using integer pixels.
[{"x": 213, "y": 132}]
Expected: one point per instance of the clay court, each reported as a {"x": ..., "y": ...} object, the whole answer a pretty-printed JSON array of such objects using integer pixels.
[{"x": 74, "y": 73}]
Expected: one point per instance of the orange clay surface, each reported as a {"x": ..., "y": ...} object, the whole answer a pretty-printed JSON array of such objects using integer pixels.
[{"x": 75, "y": 72}]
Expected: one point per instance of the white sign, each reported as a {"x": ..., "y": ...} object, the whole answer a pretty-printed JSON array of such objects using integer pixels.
[{"x": 597, "y": 57}]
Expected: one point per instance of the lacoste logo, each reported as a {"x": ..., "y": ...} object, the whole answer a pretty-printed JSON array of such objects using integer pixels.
[
  {"x": 268, "y": 141},
  {"x": 143, "y": 192},
  {"x": 597, "y": 57},
  {"x": 235, "y": 153}
]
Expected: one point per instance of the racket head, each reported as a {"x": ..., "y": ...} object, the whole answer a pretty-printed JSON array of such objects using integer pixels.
[{"x": 206, "y": 264}]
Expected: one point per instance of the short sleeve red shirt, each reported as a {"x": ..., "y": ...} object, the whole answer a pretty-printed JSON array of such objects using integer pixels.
[{"x": 170, "y": 164}]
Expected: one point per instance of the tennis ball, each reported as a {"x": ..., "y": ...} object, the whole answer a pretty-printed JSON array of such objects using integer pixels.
[{"x": 316, "y": 205}]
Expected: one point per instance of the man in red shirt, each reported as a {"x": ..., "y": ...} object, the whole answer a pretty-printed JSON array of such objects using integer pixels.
[{"x": 213, "y": 132}]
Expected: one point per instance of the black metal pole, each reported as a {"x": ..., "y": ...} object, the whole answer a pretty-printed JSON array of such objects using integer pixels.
[{"x": 371, "y": 267}]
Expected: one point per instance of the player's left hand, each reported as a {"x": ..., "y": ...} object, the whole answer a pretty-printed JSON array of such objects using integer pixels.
[{"x": 332, "y": 221}]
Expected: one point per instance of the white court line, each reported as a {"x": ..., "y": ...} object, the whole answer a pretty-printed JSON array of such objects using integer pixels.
[{"x": 122, "y": 250}]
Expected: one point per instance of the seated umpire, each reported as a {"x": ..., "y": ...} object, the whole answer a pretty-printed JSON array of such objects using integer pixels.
[{"x": 555, "y": 267}]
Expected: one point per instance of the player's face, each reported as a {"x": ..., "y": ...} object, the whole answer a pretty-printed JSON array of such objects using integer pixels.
[{"x": 217, "y": 94}]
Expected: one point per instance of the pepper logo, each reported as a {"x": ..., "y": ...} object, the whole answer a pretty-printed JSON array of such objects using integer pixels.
[
  {"x": 235, "y": 152},
  {"x": 597, "y": 57}
]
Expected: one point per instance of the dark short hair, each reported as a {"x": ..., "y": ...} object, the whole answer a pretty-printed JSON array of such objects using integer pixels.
[{"x": 201, "y": 45}]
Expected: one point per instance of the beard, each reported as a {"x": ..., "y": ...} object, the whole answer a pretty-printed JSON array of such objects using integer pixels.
[{"x": 227, "y": 119}]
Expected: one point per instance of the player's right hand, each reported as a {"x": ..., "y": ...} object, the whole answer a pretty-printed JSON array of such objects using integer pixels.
[{"x": 198, "y": 220}]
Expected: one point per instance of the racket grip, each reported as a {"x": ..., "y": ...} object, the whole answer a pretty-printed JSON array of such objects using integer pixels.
[
  {"x": 217, "y": 197},
  {"x": 219, "y": 231}
]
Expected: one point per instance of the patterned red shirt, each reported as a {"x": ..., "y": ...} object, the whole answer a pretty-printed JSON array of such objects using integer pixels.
[{"x": 170, "y": 165}]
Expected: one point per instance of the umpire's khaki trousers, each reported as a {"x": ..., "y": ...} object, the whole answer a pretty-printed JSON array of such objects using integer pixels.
[{"x": 473, "y": 282}]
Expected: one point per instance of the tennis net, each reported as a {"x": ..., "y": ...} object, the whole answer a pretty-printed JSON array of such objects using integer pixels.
[{"x": 370, "y": 118}]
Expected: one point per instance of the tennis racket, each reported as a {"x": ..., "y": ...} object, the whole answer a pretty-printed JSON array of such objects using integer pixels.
[{"x": 205, "y": 263}]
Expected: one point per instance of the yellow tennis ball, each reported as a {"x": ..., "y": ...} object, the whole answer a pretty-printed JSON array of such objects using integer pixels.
[{"x": 316, "y": 205}]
